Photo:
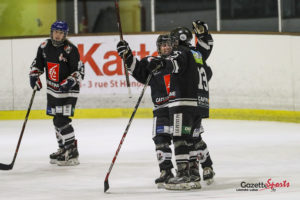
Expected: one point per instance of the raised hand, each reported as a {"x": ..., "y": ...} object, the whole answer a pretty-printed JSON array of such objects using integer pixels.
[{"x": 200, "y": 28}]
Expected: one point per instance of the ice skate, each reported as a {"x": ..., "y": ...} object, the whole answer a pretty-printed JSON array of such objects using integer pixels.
[
  {"x": 195, "y": 177},
  {"x": 69, "y": 157},
  {"x": 208, "y": 175},
  {"x": 164, "y": 177},
  {"x": 182, "y": 179},
  {"x": 53, "y": 156}
]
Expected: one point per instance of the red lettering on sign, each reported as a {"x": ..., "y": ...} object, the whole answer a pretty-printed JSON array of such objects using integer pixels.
[
  {"x": 143, "y": 53},
  {"x": 155, "y": 54},
  {"x": 88, "y": 57},
  {"x": 111, "y": 67},
  {"x": 117, "y": 62}
]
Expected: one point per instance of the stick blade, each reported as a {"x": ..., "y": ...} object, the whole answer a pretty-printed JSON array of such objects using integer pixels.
[
  {"x": 5, "y": 167},
  {"x": 106, "y": 185}
]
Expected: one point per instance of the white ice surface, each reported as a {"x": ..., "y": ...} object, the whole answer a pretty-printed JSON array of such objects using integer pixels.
[{"x": 247, "y": 151}]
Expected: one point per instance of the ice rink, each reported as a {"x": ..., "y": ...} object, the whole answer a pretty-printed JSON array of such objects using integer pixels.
[{"x": 252, "y": 152}]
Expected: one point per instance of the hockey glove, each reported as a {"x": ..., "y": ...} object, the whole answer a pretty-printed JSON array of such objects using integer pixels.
[
  {"x": 200, "y": 28},
  {"x": 124, "y": 51},
  {"x": 155, "y": 64},
  {"x": 67, "y": 84},
  {"x": 35, "y": 80}
]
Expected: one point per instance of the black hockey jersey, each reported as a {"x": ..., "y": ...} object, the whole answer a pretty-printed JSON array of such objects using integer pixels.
[
  {"x": 159, "y": 83},
  {"x": 189, "y": 81},
  {"x": 59, "y": 63}
]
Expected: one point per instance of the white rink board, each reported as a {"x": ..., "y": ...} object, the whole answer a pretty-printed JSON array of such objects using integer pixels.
[
  {"x": 6, "y": 82},
  {"x": 249, "y": 71},
  {"x": 253, "y": 71}
]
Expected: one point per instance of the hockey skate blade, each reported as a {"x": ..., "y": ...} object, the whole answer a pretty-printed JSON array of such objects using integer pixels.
[
  {"x": 5, "y": 167},
  {"x": 209, "y": 181},
  {"x": 106, "y": 186},
  {"x": 181, "y": 186},
  {"x": 195, "y": 185},
  {"x": 160, "y": 185},
  {"x": 71, "y": 162},
  {"x": 53, "y": 161}
]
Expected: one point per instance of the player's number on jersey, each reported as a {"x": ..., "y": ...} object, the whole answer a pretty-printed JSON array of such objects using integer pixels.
[{"x": 203, "y": 83}]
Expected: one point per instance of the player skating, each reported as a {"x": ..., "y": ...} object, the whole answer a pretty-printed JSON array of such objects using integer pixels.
[{"x": 60, "y": 60}]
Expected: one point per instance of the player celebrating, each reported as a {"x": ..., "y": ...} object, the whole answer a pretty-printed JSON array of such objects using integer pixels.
[
  {"x": 204, "y": 45},
  {"x": 159, "y": 84},
  {"x": 60, "y": 59},
  {"x": 198, "y": 147}
]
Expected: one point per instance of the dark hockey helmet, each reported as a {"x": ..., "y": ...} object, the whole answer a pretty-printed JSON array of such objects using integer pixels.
[
  {"x": 182, "y": 35},
  {"x": 60, "y": 26},
  {"x": 165, "y": 39}
]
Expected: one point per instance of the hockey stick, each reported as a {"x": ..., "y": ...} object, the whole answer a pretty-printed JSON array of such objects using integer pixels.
[
  {"x": 11, "y": 165},
  {"x": 121, "y": 38},
  {"x": 106, "y": 185}
]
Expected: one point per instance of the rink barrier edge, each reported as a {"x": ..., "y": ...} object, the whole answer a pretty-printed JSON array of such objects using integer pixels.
[{"x": 220, "y": 113}]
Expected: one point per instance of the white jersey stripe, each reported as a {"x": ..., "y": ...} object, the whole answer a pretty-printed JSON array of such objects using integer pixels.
[
  {"x": 183, "y": 103},
  {"x": 204, "y": 45},
  {"x": 160, "y": 106},
  {"x": 132, "y": 67},
  {"x": 182, "y": 157},
  {"x": 62, "y": 95}
]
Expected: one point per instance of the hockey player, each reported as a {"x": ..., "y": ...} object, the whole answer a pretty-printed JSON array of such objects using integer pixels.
[
  {"x": 188, "y": 104},
  {"x": 198, "y": 147},
  {"x": 60, "y": 60},
  {"x": 204, "y": 45},
  {"x": 159, "y": 84}
]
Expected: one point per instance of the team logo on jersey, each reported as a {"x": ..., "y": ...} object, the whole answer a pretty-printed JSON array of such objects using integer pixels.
[
  {"x": 53, "y": 71},
  {"x": 62, "y": 58},
  {"x": 186, "y": 130},
  {"x": 198, "y": 57},
  {"x": 167, "y": 82},
  {"x": 160, "y": 129},
  {"x": 44, "y": 44},
  {"x": 68, "y": 49}
]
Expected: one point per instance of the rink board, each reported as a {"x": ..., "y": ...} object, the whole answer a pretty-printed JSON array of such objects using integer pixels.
[{"x": 253, "y": 77}]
